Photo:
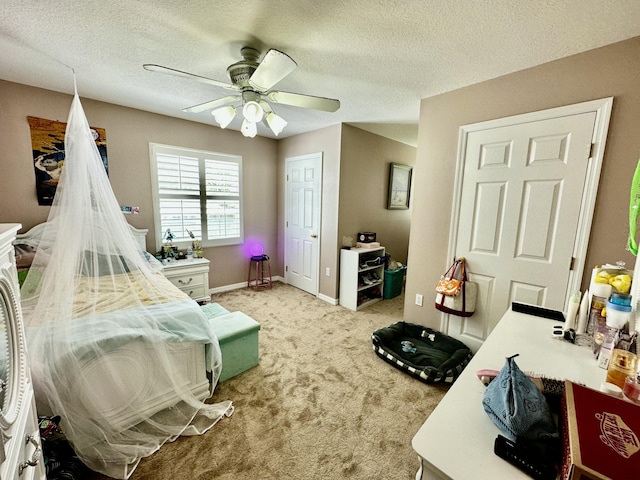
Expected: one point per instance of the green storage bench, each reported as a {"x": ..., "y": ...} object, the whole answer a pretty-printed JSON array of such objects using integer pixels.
[{"x": 238, "y": 337}]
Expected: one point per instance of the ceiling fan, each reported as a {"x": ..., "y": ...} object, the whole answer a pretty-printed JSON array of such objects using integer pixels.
[{"x": 253, "y": 80}]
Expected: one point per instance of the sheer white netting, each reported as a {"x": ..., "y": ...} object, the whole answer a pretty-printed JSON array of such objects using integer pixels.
[{"x": 100, "y": 315}]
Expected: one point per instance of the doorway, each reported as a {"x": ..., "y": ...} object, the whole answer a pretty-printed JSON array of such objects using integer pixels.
[
  {"x": 302, "y": 221},
  {"x": 525, "y": 193}
]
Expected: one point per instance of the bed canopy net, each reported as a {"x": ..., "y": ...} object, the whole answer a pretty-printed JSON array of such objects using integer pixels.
[{"x": 92, "y": 290}]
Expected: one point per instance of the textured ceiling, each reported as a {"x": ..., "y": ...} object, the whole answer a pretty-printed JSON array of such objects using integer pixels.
[{"x": 379, "y": 58}]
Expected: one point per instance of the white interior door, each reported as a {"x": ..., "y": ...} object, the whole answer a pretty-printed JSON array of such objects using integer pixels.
[
  {"x": 302, "y": 222},
  {"x": 522, "y": 207}
]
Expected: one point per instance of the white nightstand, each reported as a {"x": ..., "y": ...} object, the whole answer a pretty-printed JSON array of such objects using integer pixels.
[{"x": 191, "y": 276}]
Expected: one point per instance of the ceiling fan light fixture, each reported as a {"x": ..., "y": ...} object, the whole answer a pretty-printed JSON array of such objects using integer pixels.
[
  {"x": 252, "y": 111},
  {"x": 249, "y": 129},
  {"x": 275, "y": 122},
  {"x": 224, "y": 115},
  {"x": 252, "y": 81}
]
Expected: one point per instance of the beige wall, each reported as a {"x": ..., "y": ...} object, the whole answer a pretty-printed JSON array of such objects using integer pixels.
[
  {"x": 355, "y": 181},
  {"x": 613, "y": 70},
  {"x": 327, "y": 142},
  {"x": 129, "y": 132},
  {"x": 364, "y": 187}
]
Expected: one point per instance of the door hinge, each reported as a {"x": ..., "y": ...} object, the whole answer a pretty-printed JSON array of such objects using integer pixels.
[
  {"x": 591, "y": 149},
  {"x": 571, "y": 264},
  {"x": 287, "y": 177},
  {"x": 286, "y": 224},
  {"x": 286, "y": 268}
]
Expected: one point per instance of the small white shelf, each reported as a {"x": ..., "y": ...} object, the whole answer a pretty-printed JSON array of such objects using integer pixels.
[{"x": 354, "y": 293}]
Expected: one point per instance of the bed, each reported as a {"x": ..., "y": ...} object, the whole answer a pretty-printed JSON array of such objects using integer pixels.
[
  {"x": 125, "y": 378},
  {"x": 142, "y": 389}
]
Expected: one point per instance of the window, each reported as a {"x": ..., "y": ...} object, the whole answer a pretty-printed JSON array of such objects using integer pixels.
[{"x": 199, "y": 192}]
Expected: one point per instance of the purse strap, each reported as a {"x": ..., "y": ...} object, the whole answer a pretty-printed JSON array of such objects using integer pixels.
[
  {"x": 458, "y": 264},
  {"x": 462, "y": 263},
  {"x": 451, "y": 271}
]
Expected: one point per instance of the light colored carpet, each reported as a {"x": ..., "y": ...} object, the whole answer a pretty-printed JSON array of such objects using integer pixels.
[{"x": 321, "y": 404}]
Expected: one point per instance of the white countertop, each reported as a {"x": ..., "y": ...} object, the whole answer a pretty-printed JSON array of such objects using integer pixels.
[{"x": 456, "y": 441}]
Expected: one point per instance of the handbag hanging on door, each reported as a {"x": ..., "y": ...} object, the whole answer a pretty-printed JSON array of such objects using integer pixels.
[
  {"x": 455, "y": 294},
  {"x": 448, "y": 284}
]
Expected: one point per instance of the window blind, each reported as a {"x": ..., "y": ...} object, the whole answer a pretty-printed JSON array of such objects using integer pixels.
[{"x": 199, "y": 192}]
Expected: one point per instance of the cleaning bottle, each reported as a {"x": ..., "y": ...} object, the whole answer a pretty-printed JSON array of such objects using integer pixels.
[
  {"x": 583, "y": 313},
  {"x": 572, "y": 310}
]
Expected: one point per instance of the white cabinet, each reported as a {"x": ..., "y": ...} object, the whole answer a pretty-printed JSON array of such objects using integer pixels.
[
  {"x": 361, "y": 277},
  {"x": 20, "y": 447},
  {"x": 191, "y": 276}
]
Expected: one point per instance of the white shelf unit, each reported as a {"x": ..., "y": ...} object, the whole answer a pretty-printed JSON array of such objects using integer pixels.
[{"x": 361, "y": 277}]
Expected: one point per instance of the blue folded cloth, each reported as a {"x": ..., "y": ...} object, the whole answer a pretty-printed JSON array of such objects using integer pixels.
[{"x": 517, "y": 407}]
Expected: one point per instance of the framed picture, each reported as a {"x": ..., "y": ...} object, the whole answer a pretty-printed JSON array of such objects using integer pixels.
[{"x": 399, "y": 186}]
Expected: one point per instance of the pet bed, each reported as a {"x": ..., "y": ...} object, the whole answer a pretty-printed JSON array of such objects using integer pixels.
[{"x": 426, "y": 354}]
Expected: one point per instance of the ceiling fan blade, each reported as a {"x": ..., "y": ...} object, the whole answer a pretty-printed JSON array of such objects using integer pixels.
[
  {"x": 179, "y": 73},
  {"x": 274, "y": 67},
  {"x": 304, "y": 101},
  {"x": 213, "y": 104}
]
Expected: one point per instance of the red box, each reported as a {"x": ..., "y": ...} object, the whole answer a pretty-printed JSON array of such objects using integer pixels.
[{"x": 600, "y": 436}]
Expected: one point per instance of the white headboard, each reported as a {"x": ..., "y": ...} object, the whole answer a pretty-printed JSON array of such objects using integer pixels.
[{"x": 141, "y": 236}]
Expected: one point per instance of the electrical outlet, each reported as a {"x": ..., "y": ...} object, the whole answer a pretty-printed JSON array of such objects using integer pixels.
[
  {"x": 327, "y": 272},
  {"x": 418, "y": 299}
]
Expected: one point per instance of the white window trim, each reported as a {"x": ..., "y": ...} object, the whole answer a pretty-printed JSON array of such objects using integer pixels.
[{"x": 157, "y": 148}]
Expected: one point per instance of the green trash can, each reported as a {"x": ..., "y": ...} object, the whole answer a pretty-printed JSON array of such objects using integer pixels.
[{"x": 393, "y": 280}]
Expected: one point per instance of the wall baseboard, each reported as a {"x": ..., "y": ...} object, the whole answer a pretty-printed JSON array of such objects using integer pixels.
[
  {"x": 332, "y": 301},
  {"x": 235, "y": 286}
]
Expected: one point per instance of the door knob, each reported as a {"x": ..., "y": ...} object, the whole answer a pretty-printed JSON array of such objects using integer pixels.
[{"x": 313, "y": 235}]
